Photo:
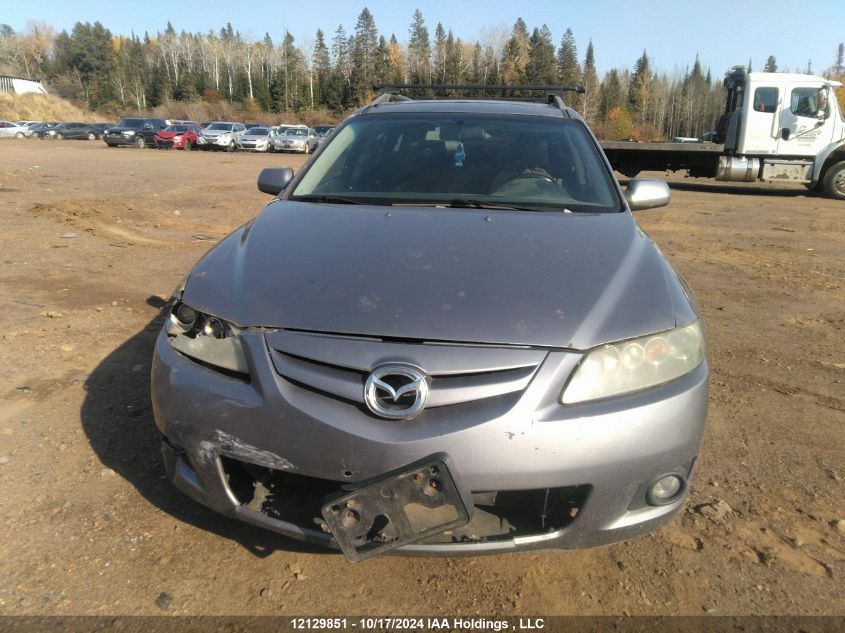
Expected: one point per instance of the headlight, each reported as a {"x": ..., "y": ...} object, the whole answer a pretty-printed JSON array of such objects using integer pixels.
[
  {"x": 177, "y": 138},
  {"x": 129, "y": 133},
  {"x": 206, "y": 338},
  {"x": 636, "y": 364}
]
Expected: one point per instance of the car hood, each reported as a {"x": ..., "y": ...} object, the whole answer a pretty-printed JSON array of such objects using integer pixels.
[
  {"x": 216, "y": 132},
  {"x": 254, "y": 137},
  {"x": 117, "y": 129},
  {"x": 553, "y": 279},
  {"x": 292, "y": 137}
]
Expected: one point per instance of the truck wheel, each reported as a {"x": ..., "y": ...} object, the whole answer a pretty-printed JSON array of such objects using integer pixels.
[{"x": 834, "y": 181}]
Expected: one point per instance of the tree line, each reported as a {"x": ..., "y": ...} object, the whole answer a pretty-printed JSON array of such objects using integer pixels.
[{"x": 336, "y": 71}]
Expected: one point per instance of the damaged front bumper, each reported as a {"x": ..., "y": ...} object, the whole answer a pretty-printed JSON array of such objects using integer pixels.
[{"x": 537, "y": 474}]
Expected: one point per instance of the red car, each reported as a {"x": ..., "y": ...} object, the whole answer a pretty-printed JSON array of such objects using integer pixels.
[{"x": 177, "y": 137}]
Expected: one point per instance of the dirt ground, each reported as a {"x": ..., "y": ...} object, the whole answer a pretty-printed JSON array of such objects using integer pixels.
[{"x": 93, "y": 240}]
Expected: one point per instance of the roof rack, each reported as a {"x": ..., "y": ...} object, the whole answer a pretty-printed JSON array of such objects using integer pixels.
[{"x": 551, "y": 94}]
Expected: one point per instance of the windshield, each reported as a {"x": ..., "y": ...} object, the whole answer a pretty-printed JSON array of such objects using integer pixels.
[
  {"x": 220, "y": 126},
  {"x": 258, "y": 131},
  {"x": 176, "y": 128},
  {"x": 464, "y": 160},
  {"x": 296, "y": 131},
  {"x": 133, "y": 123}
]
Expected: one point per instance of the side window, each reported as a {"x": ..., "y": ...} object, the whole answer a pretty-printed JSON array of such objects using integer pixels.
[
  {"x": 766, "y": 100},
  {"x": 805, "y": 102}
]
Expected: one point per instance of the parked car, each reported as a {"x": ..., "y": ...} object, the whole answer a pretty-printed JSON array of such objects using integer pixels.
[
  {"x": 323, "y": 132},
  {"x": 177, "y": 137},
  {"x": 39, "y": 130},
  {"x": 71, "y": 131},
  {"x": 27, "y": 126},
  {"x": 446, "y": 333},
  {"x": 220, "y": 135},
  {"x": 295, "y": 139},
  {"x": 9, "y": 129},
  {"x": 255, "y": 139},
  {"x": 137, "y": 131}
]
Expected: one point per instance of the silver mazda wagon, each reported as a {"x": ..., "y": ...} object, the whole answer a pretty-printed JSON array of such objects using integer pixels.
[{"x": 445, "y": 335}]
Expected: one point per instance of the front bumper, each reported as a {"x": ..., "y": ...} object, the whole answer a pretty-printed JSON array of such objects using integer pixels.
[
  {"x": 209, "y": 142},
  {"x": 120, "y": 139},
  {"x": 597, "y": 457}
]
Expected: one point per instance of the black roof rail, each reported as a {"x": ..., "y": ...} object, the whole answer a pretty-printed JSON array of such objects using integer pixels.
[{"x": 551, "y": 94}]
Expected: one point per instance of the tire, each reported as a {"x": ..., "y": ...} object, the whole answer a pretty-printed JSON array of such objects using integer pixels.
[
  {"x": 140, "y": 143},
  {"x": 91, "y": 136},
  {"x": 230, "y": 147},
  {"x": 19, "y": 135},
  {"x": 187, "y": 145},
  {"x": 112, "y": 144},
  {"x": 59, "y": 136},
  {"x": 307, "y": 149},
  {"x": 834, "y": 181}
]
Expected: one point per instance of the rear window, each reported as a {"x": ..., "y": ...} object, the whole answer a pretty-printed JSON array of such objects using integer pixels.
[
  {"x": 766, "y": 100},
  {"x": 443, "y": 157}
]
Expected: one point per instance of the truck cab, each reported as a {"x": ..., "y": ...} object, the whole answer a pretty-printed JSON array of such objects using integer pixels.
[{"x": 781, "y": 114}]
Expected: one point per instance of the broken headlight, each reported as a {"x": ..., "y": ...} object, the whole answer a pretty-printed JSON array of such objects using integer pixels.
[
  {"x": 206, "y": 338},
  {"x": 636, "y": 364}
]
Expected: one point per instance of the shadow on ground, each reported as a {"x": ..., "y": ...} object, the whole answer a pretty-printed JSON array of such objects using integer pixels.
[{"x": 118, "y": 420}]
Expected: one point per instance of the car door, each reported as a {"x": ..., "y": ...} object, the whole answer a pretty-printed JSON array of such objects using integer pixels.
[{"x": 810, "y": 130}]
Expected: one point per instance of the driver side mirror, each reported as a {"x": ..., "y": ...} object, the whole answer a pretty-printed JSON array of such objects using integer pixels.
[
  {"x": 645, "y": 193},
  {"x": 784, "y": 133},
  {"x": 273, "y": 180}
]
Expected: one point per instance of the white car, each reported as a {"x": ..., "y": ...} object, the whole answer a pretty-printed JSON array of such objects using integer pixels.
[
  {"x": 8, "y": 129},
  {"x": 255, "y": 139},
  {"x": 220, "y": 135}
]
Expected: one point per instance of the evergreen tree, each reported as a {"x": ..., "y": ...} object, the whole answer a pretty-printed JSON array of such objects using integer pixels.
[
  {"x": 438, "y": 62},
  {"x": 589, "y": 103},
  {"x": 419, "y": 51},
  {"x": 839, "y": 66},
  {"x": 567, "y": 60},
  {"x": 364, "y": 46},
  {"x": 611, "y": 94},
  {"x": 515, "y": 54},
  {"x": 541, "y": 67},
  {"x": 638, "y": 91},
  {"x": 771, "y": 65}
]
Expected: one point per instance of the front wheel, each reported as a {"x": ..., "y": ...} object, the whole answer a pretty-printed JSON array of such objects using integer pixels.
[
  {"x": 19, "y": 135},
  {"x": 230, "y": 147},
  {"x": 59, "y": 137},
  {"x": 140, "y": 143},
  {"x": 187, "y": 146},
  {"x": 307, "y": 148},
  {"x": 91, "y": 136},
  {"x": 834, "y": 181}
]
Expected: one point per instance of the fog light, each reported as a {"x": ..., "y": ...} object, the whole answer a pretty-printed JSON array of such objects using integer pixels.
[{"x": 665, "y": 490}]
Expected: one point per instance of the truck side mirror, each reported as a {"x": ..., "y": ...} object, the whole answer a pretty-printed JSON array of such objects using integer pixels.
[
  {"x": 784, "y": 134},
  {"x": 273, "y": 180}
]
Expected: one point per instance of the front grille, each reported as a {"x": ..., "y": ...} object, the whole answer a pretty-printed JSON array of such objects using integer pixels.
[
  {"x": 497, "y": 515},
  {"x": 338, "y": 366}
]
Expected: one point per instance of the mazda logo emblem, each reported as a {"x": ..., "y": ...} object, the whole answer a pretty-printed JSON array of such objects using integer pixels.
[{"x": 396, "y": 391}]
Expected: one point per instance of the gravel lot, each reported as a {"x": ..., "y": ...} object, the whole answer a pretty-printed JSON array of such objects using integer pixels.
[{"x": 93, "y": 240}]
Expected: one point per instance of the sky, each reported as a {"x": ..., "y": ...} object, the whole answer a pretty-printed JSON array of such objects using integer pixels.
[{"x": 723, "y": 33}]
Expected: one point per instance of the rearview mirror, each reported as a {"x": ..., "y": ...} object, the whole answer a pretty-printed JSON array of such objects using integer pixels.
[
  {"x": 273, "y": 180},
  {"x": 645, "y": 193},
  {"x": 784, "y": 133}
]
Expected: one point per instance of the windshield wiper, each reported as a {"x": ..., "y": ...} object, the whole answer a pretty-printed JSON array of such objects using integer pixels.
[
  {"x": 466, "y": 203},
  {"x": 332, "y": 199}
]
